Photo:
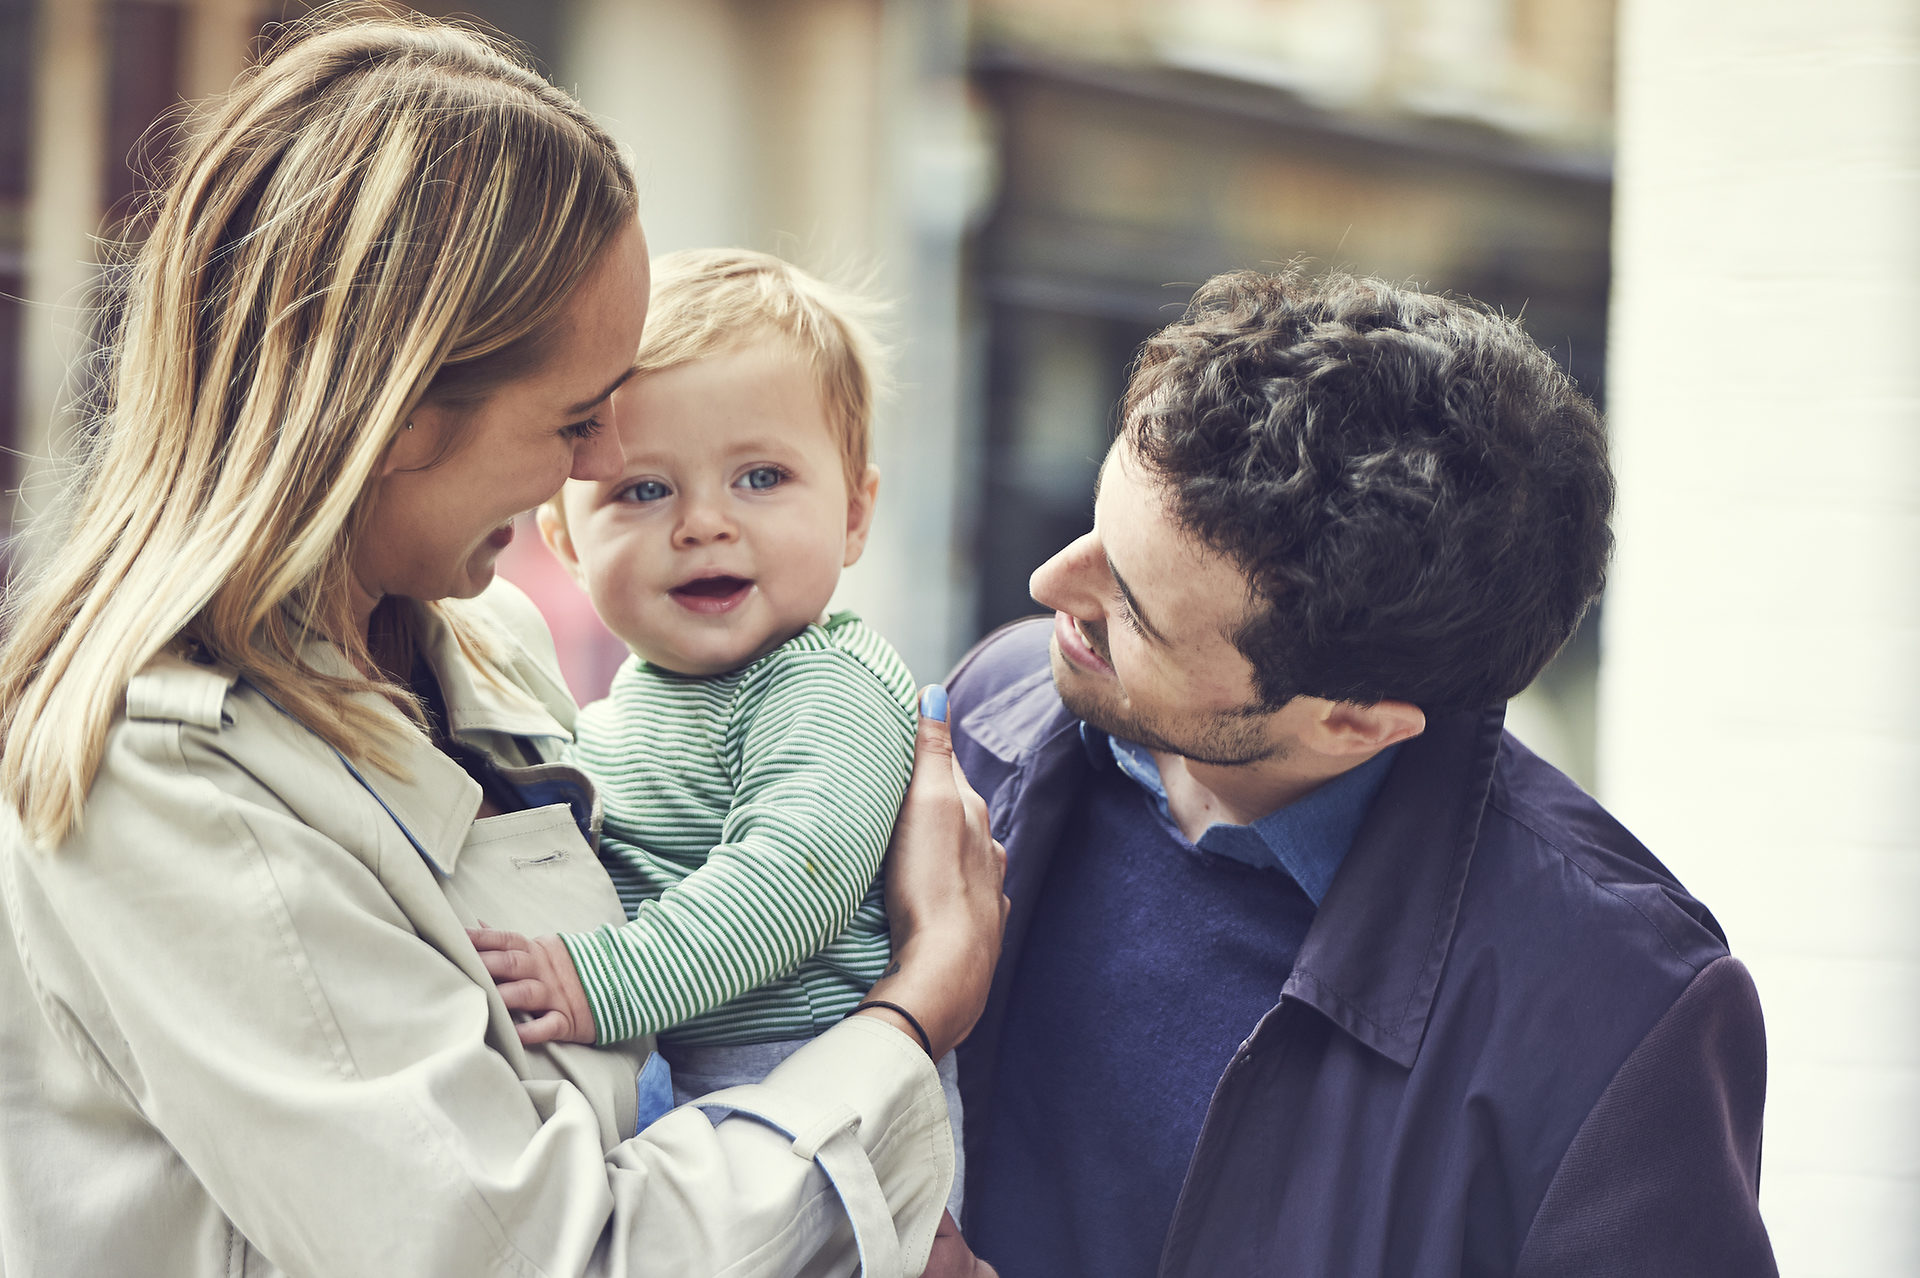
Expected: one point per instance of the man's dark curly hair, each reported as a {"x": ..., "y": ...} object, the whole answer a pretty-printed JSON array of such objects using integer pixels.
[{"x": 1417, "y": 491}]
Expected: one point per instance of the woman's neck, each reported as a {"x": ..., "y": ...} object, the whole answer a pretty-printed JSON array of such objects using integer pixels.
[
  {"x": 390, "y": 643},
  {"x": 364, "y": 603}
]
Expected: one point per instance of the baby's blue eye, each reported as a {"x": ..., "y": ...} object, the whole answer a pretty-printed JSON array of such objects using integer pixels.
[
  {"x": 648, "y": 490},
  {"x": 763, "y": 477}
]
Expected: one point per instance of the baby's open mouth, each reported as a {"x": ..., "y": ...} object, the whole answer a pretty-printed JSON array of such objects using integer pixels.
[{"x": 711, "y": 594}]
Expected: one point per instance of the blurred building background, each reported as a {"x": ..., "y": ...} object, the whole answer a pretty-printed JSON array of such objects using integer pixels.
[{"x": 1035, "y": 185}]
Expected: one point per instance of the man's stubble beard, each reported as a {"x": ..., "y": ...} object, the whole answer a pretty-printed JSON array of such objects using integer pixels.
[{"x": 1228, "y": 740}]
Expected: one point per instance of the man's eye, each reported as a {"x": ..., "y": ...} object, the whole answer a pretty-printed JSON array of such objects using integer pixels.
[
  {"x": 646, "y": 490},
  {"x": 763, "y": 477},
  {"x": 1124, "y": 611}
]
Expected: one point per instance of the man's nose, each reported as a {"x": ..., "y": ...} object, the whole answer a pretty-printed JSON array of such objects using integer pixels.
[{"x": 1065, "y": 582}]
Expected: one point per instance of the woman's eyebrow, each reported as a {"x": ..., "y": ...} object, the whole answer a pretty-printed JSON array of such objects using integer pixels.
[{"x": 573, "y": 410}]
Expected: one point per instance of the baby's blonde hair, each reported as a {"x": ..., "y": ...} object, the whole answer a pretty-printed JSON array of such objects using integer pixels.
[
  {"x": 711, "y": 301},
  {"x": 388, "y": 210}
]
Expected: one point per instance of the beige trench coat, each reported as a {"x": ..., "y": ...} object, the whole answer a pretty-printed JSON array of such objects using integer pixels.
[{"x": 242, "y": 1031}]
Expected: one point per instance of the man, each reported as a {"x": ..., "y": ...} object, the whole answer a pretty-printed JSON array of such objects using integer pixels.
[{"x": 1311, "y": 969}]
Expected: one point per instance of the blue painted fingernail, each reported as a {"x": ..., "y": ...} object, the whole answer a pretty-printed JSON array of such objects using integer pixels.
[{"x": 933, "y": 702}]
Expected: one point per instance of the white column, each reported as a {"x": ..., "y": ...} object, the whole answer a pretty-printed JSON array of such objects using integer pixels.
[
  {"x": 69, "y": 123},
  {"x": 1760, "y": 683},
  {"x": 218, "y": 40},
  {"x": 671, "y": 80}
]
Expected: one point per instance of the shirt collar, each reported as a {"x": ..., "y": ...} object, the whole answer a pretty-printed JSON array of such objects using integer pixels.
[{"x": 1307, "y": 838}]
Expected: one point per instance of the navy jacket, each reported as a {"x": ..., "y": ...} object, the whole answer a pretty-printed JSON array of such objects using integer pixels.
[{"x": 1511, "y": 1043}]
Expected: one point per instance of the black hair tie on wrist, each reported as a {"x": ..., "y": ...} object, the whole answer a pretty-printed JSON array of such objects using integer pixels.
[{"x": 904, "y": 1015}]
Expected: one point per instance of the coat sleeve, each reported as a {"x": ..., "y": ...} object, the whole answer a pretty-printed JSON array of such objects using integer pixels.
[
  {"x": 246, "y": 985},
  {"x": 1664, "y": 1175}
]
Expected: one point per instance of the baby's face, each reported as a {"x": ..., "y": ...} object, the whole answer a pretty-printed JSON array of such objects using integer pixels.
[{"x": 726, "y": 531}]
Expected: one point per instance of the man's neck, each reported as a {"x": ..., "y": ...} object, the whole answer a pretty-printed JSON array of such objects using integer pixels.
[{"x": 1204, "y": 794}]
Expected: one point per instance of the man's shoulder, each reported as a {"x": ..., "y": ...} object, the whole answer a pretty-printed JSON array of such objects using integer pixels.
[
  {"x": 1001, "y": 694},
  {"x": 1008, "y": 655},
  {"x": 1548, "y": 842}
]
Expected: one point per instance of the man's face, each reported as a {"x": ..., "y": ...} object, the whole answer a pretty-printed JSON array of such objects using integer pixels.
[{"x": 1144, "y": 612}]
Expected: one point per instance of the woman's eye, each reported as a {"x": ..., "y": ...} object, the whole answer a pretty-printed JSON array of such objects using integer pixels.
[
  {"x": 582, "y": 430},
  {"x": 647, "y": 490},
  {"x": 762, "y": 477}
]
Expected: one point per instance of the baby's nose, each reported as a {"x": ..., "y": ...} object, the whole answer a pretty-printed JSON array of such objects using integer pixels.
[{"x": 703, "y": 521}]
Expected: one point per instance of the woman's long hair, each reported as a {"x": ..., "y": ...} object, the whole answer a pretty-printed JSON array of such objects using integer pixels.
[{"x": 385, "y": 210}]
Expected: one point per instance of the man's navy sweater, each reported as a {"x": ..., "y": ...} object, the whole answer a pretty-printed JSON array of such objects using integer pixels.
[{"x": 1150, "y": 960}]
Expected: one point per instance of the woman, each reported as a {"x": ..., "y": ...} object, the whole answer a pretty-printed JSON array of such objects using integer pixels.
[{"x": 271, "y": 757}]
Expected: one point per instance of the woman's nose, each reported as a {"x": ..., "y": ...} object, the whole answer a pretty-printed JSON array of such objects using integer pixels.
[{"x": 1063, "y": 582}]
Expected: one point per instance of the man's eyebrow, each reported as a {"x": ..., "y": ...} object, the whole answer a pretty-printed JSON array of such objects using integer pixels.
[
  {"x": 574, "y": 410},
  {"x": 1134, "y": 604}
]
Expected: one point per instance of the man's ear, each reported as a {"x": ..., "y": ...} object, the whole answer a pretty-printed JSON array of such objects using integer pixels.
[
  {"x": 860, "y": 504},
  {"x": 1345, "y": 728},
  {"x": 553, "y": 531}
]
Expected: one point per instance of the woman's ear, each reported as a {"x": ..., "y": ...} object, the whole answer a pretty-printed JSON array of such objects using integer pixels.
[
  {"x": 415, "y": 445},
  {"x": 553, "y": 531},
  {"x": 860, "y": 504}
]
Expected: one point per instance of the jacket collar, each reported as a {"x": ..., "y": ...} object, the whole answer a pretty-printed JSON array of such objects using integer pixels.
[
  {"x": 479, "y": 700},
  {"x": 1371, "y": 961},
  {"x": 1026, "y": 714},
  {"x": 1036, "y": 742},
  {"x": 429, "y": 796}
]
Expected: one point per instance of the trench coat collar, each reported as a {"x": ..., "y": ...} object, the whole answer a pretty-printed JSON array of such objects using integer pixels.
[
  {"x": 478, "y": 700},
  {"x": 429, "y": 796},
  {"x": 1372, "y": 959}
]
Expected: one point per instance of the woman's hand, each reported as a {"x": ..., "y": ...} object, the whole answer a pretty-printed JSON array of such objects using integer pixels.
[
  {"x": 944, "y": 900},
  {"x": 951, "y": 1257},
  {"x": 535, "y": 974}
]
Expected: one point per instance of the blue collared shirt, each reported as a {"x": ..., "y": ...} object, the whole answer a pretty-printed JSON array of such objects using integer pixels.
[{"x": 1308, "y": 838}]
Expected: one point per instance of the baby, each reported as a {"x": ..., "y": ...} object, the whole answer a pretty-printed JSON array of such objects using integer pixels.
[{"x": 752, "y": 754}]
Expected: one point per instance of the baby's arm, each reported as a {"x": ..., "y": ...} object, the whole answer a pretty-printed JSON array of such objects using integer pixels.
[
  {"x": 821, "y": 750},
  {"x": 535, "y": 974}
]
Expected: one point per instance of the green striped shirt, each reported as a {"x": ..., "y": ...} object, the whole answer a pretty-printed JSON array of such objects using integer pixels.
[{"x": 745, "y": 818}]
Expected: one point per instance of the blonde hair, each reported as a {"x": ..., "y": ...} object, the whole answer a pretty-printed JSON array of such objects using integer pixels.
[
  {"x": 386, "y": 210},
  {"x": 707, "y": 302}
]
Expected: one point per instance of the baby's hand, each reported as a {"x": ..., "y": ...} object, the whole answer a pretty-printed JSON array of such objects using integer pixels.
[{"x": 535, "y": 974}]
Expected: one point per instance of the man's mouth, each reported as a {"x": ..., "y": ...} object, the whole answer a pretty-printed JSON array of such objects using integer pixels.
[
  {"x": 712, "y": 595},
  {"x": 1083, "y": 644}
]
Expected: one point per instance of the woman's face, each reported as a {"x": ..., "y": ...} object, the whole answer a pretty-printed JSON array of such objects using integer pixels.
[{"x": 447, "y": 495}]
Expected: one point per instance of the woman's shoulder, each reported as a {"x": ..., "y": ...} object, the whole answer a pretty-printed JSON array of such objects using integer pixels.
[{"x": 197, "y": 735}]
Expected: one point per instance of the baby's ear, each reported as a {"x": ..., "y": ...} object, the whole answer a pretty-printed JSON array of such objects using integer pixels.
[
  {"x": 553, "y": 531},
  {"x": 860, "y": 504}
]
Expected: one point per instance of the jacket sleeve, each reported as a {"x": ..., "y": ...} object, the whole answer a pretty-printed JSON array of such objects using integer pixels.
[
  {"x": 1664, "y": 1175},
  {"x": 249, "y": 988}
]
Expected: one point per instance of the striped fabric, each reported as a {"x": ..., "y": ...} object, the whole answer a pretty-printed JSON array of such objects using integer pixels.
[{"x": 745, "y": 818}]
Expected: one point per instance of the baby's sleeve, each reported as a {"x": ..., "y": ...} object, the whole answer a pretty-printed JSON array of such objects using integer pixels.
[{"x": 820, "y": 749}]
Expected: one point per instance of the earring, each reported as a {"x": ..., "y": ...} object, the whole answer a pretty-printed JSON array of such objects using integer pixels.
[{"x": 409, "y": 425}]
